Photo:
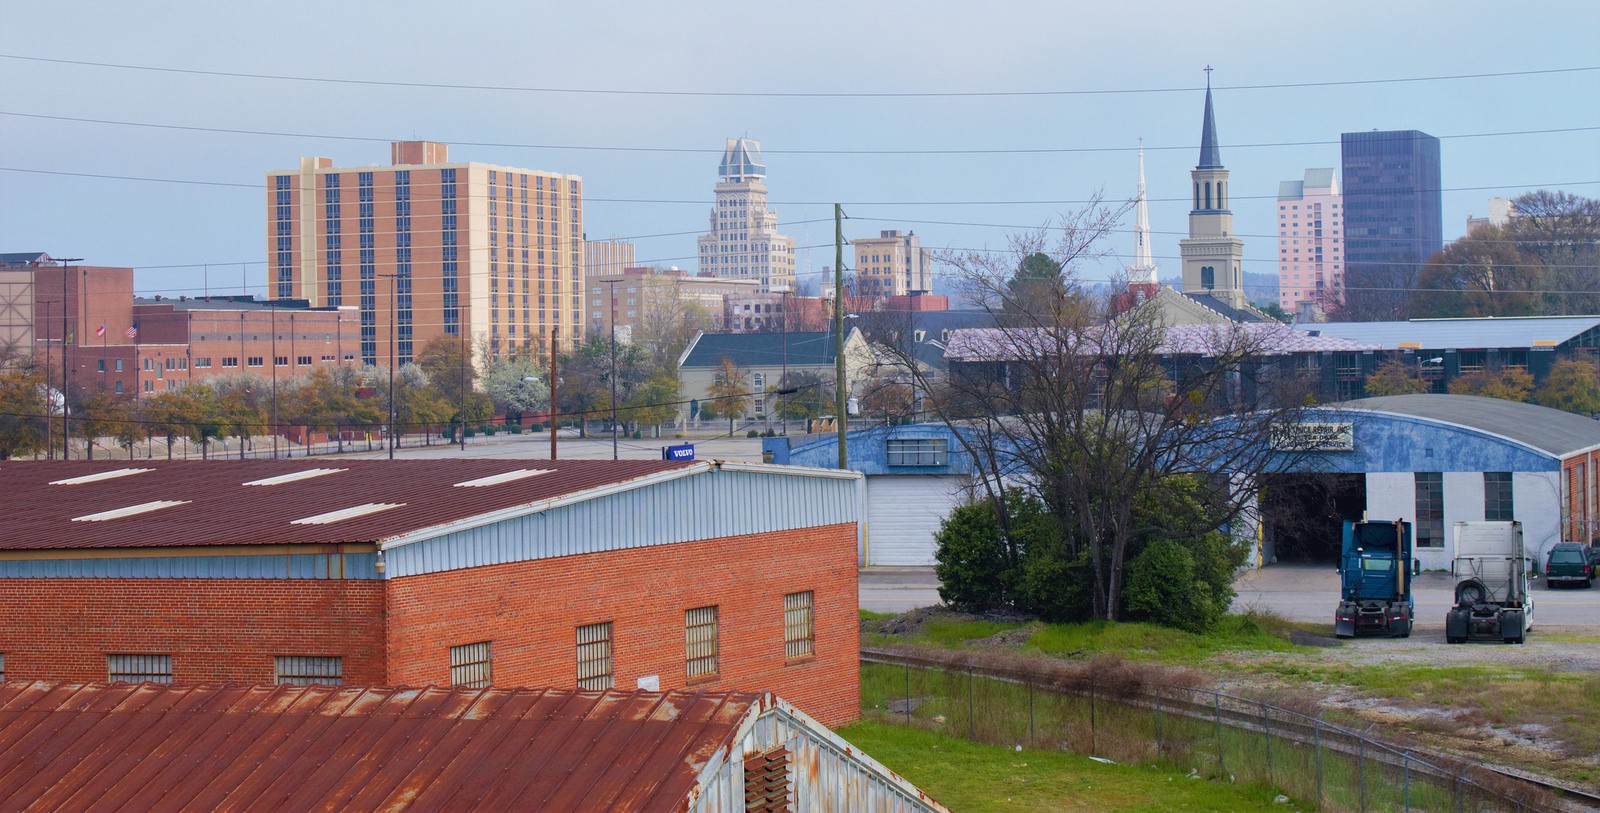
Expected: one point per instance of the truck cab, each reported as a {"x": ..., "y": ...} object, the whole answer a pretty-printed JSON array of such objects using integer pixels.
[{"x": 1375, "y": 576}]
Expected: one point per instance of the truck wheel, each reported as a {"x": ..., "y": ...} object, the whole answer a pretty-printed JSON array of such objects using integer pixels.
[{"x": 1451, "y": 639}]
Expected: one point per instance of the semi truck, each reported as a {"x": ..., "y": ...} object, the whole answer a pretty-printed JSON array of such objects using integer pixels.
[
  {"x": 1375, "y": 575},
  {"x": 1491, "y": 575}
]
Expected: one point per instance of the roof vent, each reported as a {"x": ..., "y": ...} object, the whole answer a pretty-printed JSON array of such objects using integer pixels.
[
  {"x": 347, "y": 513},
  {"x": 503, "y": 477},
  {"x": 132, "y": 510},
  {"x": 292, "y": 477},
  {"x": 97, "y": 477}
]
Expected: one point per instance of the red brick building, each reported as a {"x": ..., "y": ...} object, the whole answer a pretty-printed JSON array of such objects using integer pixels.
[{"x": 586, "y": 574}]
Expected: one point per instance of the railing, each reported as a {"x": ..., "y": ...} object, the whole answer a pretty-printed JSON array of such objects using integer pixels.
[{"x": 1131, "y": 714}]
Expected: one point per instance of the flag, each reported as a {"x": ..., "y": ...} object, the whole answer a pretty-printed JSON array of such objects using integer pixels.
[
  {"x": 101, "y": 331},
  {"x": 72, "y": 335},
  {"x": 132, "y": 332}
]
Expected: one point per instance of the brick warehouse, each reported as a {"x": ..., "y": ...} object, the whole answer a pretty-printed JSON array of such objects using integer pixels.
[{"x": 594, "y": 574}]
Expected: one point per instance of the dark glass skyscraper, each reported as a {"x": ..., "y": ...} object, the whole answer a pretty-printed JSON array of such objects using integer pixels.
[{"x": 1391, "y": 197}]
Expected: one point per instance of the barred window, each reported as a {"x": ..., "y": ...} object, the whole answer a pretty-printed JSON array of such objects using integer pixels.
[
  {"x": 470, "y": 666},
  {"x": 700, "y": 641},
  {"x": 1430, "y": 509},
  {"x": 594, "y": 656},
  {"x": 1497, "y": 504},
  {"x": 2, "y": 667},
  {"x": 799, "y": 634},
  {"x": 139, "y": 668},
  {"x": 916, "y": 451},
  {"x": 303, "y": 670}
]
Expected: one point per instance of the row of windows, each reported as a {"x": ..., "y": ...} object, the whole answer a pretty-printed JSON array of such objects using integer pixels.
[
  {"x": 1429, "y": 491},
  {"x": 293, "y": 670}
]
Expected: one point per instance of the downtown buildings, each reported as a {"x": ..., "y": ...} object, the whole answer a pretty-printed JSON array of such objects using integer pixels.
[
  {"x": 1310, "y": 244},
  {"x": 1391, "y": 197},
  {"x": 426, "y": 248},
  {"x": 744, "y": 242},
  {"x": 892, "y": 264}
]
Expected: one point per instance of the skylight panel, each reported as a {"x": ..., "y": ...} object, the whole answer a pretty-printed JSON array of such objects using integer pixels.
[
  {"x": 293, "y": 477},
  {"x": 95, "y": 478},
  {"x": 347, "y": 513},
  {"x": 132, "y": 510},
  {"x": 504, "y": 477}
]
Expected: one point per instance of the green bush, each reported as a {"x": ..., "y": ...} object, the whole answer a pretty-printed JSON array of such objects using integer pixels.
[
  {"x": 752, "y": 434},
  {"x": 1161, "y": 589},
  {"x": 638, "y": 435},
  {"x": 538, "y": 427},
  {"x": 471, "y": 433},
  {"x": 514, "y": 428},
  {"x": 1056, "y": 587},
  {"x": 971, "y": 560},
  {"x": 490, "y": 429}
]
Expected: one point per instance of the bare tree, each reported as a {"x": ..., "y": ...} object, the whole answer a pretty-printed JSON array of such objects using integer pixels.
[{"x": 1097, "y": 414}]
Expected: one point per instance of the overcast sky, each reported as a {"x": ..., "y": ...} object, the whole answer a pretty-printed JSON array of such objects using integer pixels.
[{"x": 53, "y": 197}]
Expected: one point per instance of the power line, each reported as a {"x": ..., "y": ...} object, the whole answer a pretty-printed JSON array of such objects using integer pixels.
[
  {"x": 767, "y": 151},
  {"x": 786, "y": 94}
]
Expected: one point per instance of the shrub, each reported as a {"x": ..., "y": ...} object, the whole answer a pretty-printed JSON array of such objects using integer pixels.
[
  {"x": 1057, "y": 588},
  {"x": 1161, "y": 589},
  {"x": 638, "y": 435},
  {"x": 971, "y": 560},
  {"x": 514, "y": 428},
  {"x": 538, "y": 427},
  {"x": 490, "y": 429},
  {"x": 752, "y": 434},
  {"x": 471, "y": 433}
]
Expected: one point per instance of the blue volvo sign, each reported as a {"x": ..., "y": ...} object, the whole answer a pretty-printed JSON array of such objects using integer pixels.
[{"x": 681, "y": 452}]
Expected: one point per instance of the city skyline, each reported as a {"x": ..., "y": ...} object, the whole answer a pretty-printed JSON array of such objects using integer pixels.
[{"x": 646, "y": 156}]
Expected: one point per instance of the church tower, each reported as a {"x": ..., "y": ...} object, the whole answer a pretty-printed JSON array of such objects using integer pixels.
[
  {"x": 1143, "y": 277},
  {"x": 1212, "y": 256}
]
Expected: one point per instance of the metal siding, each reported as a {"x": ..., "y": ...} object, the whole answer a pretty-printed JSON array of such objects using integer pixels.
[
  {"x": 904, "y": 514},
  {"x": 357, "y": 566},
  {"x": 704, "y": 506}
]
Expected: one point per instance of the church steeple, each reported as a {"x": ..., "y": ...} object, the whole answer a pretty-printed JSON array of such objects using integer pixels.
[
  {"x": 1143, "y": 269},
  {"x": 1210, "y": 156}
]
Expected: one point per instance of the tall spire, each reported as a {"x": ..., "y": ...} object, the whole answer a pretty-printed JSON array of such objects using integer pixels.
[
  {"x": 1210, "y": 156},
  {"x": 1143, "y": 269}
]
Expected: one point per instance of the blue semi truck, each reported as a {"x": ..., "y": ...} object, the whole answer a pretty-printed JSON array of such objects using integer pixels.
[{"x": 1375, "y": 575}]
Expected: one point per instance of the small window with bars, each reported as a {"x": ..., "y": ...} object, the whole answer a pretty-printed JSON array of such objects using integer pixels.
[
  {"x": 799, "y": 632},
  {"x": 700, "y": 641},
  {"x": 1497, "y": 503},
  {"x": 139, "y": 668},
  {"x": 470, "y": 666},
  {"x": 916, "y": 451},
  {"x": 2, "y": 667},
  {"x": 308, "y": 670},
  {"x": 594, "y": 656}
]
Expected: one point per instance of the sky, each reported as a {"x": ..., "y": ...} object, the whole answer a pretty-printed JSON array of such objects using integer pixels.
[{"x": 983, "y": 120}]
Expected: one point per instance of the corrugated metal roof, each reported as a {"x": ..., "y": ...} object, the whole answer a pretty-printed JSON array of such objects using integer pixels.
[
  {"x": 218, "y": 507},
  {"x": 1451, "y": 334},
  {"x": 1267, "y": 338},
  {"x": 804, "y": 349},
  {"x": 1550, "y": 430},
  {"x": 150, "y": 747}
]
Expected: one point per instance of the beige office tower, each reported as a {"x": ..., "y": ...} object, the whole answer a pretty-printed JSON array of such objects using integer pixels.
[
  {"x": 892, "y": 264},
  {"x": 744, "y": 242},
  {"x": 424, "y": 247}
]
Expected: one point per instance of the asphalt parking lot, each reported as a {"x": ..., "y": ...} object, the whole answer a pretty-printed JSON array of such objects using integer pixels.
[{"x": 1296, "y": 592}]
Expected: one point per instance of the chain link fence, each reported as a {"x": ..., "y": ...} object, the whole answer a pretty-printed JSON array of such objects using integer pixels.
[{"x": 1134, "y": 714}]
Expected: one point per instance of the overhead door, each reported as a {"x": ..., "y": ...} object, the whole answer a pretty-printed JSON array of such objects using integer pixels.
[{"x": 903, "y": 514}]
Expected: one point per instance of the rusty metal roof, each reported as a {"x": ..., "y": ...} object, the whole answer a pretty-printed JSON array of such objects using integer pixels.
[
  {"x": 230, "y": 747},
  {"x": 145, "y": 503}
]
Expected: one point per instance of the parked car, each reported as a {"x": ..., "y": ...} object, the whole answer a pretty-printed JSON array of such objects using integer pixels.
[{"x": 1570, "y": 562}]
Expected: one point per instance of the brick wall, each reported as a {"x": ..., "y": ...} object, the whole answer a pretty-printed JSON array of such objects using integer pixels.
[
  {"x": 530, "y": 611},
  {"x": 214, "y": 629}
]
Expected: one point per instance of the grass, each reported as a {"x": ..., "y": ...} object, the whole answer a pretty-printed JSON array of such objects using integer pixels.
[
  {"x": 969, "y": 776},
  {"x": 1236, "y": 633}
]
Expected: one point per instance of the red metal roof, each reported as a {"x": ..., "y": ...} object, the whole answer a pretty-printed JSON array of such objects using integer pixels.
[
  {"x": 150, "y": 747},
  {"x": 222, "y": 510}
]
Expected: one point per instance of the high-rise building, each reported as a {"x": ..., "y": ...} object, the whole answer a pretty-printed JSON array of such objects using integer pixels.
[
  {"x": 1500, "y": 213},
  {"x": 744, "y": 242},
  {"x": 1212, "y": 255},
  {"x": 1392, "y": 200},
  {"x": 608, "y": 256},
  {"x": 1310, "y": 242},
  {"x": 892, "y": 264},
  {"x": 429, "y": 248},
  {"x": 650, "y": 298}
]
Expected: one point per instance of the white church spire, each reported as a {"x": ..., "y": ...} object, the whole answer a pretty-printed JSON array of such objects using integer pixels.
[{"x": 1143, "y": 269}]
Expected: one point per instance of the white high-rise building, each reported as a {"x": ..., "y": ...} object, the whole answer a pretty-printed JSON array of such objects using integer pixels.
[
  {"x": 744, "y": 242},
  {"x": 1310, "y": 243}
]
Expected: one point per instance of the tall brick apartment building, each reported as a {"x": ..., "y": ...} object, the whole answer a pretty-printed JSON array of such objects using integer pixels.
[{"x": 586, "y": 574}]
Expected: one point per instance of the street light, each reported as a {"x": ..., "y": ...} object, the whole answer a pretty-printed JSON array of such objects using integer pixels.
[
  {"x": 613, "y": 286},
  {"x": 65, "y": 434},
  {"x": 1422, "y": 373}
]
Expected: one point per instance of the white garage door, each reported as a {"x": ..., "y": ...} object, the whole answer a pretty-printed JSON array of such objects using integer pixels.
[{"x": 903, "y": 514}]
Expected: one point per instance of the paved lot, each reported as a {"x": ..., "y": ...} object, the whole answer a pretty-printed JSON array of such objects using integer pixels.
[{"x": 1296, "y": 592}]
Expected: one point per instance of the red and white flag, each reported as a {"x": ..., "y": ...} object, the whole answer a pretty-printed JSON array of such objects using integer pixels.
[{"x": 100, "y": 331}]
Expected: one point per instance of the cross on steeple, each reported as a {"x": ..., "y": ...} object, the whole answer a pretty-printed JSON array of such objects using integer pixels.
[{"x": 1208, "y": 77}]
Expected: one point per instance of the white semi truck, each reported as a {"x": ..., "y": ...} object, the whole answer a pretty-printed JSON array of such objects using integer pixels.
[{"x": 1491, "y": 574}]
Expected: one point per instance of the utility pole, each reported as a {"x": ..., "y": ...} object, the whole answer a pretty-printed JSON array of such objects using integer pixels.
[
  {"x": 613, "y": 320},
  {"x": 840, "y": 385},
  {"x": 555, "y": 423},
  {"x": 462, "y": 429},
  {"x": 394, "y": 354},
  {"x": 66, "y": 434}
]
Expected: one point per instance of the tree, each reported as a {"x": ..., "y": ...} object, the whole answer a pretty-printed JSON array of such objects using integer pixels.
[
  {"x": 586, "y": 377},
  {"x": 1572, "y": 385},
  {"x": 174, "y": 414},
  {"x": 23, "y": 407},
  {"x": 242, "y": 404},
  {"x": 667, "y": 321},
  {"x": 1506, "y": 383},
  {"x": 100, "y": 413},
  {"x": 1395, "y": 376},
  {"x": 729, "y": 393},
  {"x": 653, "y": 403},
  {"x": 516, "y": 385},
  {"x": 1275, "y": 311},
  {"x": 1482, "y": 274},
  {"x": 813, "y": 396},
  {"x": 1099, "y": 415},
  {"x": 1562, "y": 231},
  {"x": 1378, "y": 291}
]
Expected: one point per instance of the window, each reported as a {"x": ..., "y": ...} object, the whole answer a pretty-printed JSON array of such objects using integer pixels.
[
  {"x": 119, "y": 387},
  {"x": 799, "y": 633},
  {"x": 202, "y": 362},
  {"x": 102, "y": 365},
  {"x": 230, "y": 361},
  {"x": 1497, "y": 503},
  {"x": 253, "y": 361},
  {"x": 470, "y": 666},
  {"x": 300, "y": 670},
  {"x": 119, "y": 365},
  {"x": 139, "y": 668},
  {"x": 700, "y": 641},
  {"x": 1430, "y": 509},
  {"x": 280, "y": 361},
  {"x": 916, "y": 451},
  {"x": 594, "y": 656},
  {"x": 303, "y": 361},
  {"x": 2, "y": 667}
]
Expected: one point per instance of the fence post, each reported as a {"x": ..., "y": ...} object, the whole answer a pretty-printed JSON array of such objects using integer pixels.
[
  {"x": 1316, "y": 735},
  {"x": 908, "y": 688},
  {"x": 972, "y": 731},
  {"x": 1092, "y": 747},
  {"x": 1361, "y": 770},
  {"x": 1216, "y": 713},
  {"x": 1159, "y": 748},
  {"x": 1405, "y": 765},
  {"x": 1030, "y": 710},
  {"x": 1266, "y": 719}
]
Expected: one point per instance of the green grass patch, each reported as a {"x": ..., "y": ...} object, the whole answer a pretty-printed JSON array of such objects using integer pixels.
[
  {"x": 1135, "y": 641},
  {"x": 868, "y": 615},
  {"x": 970, "y": 776},
  {"x": 956, "y": 632}
]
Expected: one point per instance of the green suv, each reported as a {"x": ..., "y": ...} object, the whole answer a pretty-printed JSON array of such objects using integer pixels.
[{"x": 1569, "y": 562}]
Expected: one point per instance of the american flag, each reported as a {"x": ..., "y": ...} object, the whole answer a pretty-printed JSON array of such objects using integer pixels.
[{"x": 132, "y": 332}]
